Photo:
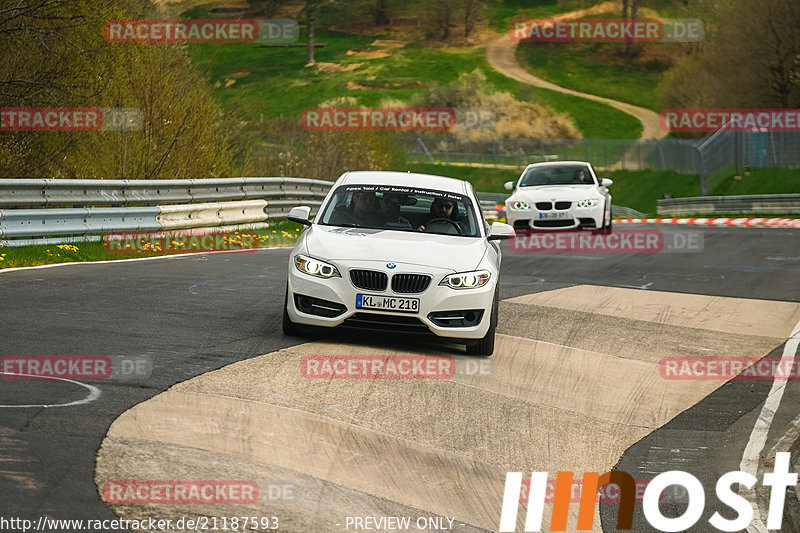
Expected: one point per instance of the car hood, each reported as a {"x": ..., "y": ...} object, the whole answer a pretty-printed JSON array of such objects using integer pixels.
[
  {"x": 559, "y": 192},
  {"x": 446, "y": 252}
]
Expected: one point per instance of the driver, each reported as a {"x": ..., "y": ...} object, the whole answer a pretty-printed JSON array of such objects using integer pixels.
[
  {"x": 579, "y": 176},
  {"x": 443, "y": 208}
]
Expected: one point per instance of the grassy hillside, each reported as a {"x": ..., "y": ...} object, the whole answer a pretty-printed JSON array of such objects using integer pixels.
[{"x": 264, "y": 82}]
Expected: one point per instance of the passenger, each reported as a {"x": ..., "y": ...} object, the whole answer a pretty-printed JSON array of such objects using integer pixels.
[
  {"x": 390, "y": 205},
  {"x": 364, "y": 210}
]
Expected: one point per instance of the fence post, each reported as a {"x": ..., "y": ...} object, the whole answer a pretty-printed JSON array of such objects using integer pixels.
[{"x": 639, "y": 153}]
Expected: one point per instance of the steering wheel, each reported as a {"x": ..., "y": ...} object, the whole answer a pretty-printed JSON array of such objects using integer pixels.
[{"x": 447, "y": 220}]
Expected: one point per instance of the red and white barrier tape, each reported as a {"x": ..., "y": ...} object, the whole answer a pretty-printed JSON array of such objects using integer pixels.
[{"x": 746, "y": 222}]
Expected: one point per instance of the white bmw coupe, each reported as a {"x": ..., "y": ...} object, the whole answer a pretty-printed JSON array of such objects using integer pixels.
[
  {"x": 401, "y": 252},
  {"x": 559, "y": 195}
]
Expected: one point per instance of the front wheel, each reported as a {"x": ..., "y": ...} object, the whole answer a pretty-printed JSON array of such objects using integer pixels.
[{"x": 485, "y": 346}]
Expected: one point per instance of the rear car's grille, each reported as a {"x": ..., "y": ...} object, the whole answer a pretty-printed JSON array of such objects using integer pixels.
[
  {"x": 544, "y": 206},
  {"x": 369, "y": 280},
  {"x": 410, "y": 283},
  {"x": 553, "y": 223},
  {"x": 398, "y": 324},
  {"x": 563, "y": 205}
]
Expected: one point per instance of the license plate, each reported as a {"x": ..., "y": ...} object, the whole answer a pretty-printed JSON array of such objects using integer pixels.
[
  {"x": 563, "y": 214},
  {"x": 387, "y": 303}
]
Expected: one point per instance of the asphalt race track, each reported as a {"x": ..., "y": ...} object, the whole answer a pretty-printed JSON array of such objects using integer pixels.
[{"x": 212, "y": 390}]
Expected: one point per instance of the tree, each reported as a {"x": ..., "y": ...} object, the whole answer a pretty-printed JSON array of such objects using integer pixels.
[
  {"x": 381, "y": 16},
  {"x": 752, "y": 61},
  {"x": 472, "y": 14}
]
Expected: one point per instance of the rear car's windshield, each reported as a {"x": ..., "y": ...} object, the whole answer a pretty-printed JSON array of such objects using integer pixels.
[
  {"x": 557, "y": 175},
  {"x": 401, "y": 209}
]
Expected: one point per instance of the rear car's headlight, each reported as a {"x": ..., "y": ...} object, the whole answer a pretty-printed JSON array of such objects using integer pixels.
[
  {"x": 467, "y": 280},
  {"x": 315, "y": 267},
  {"x": 589, "y": 202},
  {"x": 520, "y": 206}
]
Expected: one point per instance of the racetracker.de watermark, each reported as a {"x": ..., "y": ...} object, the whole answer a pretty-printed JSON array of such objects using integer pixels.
[
  {"x": 70, "y": 119},
  {"x": 601, "y": 241},
  {"x": 393, "y": 367},
  {"x": 725, "y": 368},
  {"x": 606, "y": 30},
  {"x": 179, "y": 242},
  {"x": 378, "y": 119},
  {"x": 81, "y": 367},
  {"x": 140, "y": 492},
  {"x": 730, "y": 119},
  {"x": 201, "y": 31}
]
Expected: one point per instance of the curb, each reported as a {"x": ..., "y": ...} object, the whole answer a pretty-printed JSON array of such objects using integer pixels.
[{"x": 741, "y": 222}]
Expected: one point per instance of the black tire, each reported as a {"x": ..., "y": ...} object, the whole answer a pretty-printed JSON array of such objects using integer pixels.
[
  {"x": 485, "y": 346},
  {"x": 289, "y": 327},
  {"x": 608, "y": 227}
]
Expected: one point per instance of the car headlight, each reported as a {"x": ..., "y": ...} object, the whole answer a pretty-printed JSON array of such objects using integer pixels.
[
  {"x": 520, "y": 206},
  {"x": 315, "y": 267},
  {"x": 467, "y": 280},
  {"x": 589, "y": 202}
]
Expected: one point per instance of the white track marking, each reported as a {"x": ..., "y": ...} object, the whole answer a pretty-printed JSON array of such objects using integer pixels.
[
  {"x": 94, "y": 392},
  {"x": 758, "y": 437}
]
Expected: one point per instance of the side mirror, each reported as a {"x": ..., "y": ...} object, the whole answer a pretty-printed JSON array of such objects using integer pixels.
[
  {"x": 606, "y": 182},
  {"x": 501, "y": 230},
  {"x": 300, "y": 215},
  {"x": 510, "y": 185}
]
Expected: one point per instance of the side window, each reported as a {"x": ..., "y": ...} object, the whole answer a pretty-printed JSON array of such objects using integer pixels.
[{"x": 480, "y": 209}]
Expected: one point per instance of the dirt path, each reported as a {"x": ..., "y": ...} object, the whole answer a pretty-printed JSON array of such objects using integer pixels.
[{"x": 501, "y": 56}]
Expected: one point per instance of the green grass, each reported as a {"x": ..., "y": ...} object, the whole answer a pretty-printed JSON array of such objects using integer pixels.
[
  {"x": 501, "y": 14},
  {"x": 595, "y": 68},
  {"x": 639, "y": 189},
  {"x": 760, "y": 181},
  {"x": 283, "y": 233}
]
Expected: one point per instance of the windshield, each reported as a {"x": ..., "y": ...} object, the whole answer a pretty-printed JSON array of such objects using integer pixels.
[
  {"x": 401, "y": 209},
  {"x": 557, "y": 175}
]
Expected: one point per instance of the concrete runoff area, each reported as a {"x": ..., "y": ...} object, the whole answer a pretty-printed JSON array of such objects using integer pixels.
[{"x": 575, "y": 381}]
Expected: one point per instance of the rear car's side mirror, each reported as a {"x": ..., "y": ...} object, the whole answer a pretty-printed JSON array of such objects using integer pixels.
[
  {"x": 510, "y": 185},
  {"x": 501, "y": 230},
  {"x": 300, "y": 214},
  {"x": 606, "y": 182}
]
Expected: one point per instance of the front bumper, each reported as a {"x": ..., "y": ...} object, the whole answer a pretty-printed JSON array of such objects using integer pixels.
[
  {"x": 571, "y": 218},
  {"x": 314, "y": 301}
]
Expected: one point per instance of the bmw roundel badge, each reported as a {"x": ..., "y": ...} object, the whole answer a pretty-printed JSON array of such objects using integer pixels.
[{"x": 390, "y": 265}]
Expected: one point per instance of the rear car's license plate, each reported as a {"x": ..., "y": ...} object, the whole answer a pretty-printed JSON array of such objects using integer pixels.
[
  {"x": 564, "y": 214},
  {"x": 387, "y": 303}
]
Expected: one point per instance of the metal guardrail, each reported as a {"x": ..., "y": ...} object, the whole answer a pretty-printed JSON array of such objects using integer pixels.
[
  {"x": 37, "y": 207},
  {"x": 150, "y": 205},
  {"x": 731, "y": 205}
]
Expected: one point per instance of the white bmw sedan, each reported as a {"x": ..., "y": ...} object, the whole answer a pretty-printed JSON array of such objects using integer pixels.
[
  {"x": 559, "y": 195},
  {"x": 401, "y": 252}
]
